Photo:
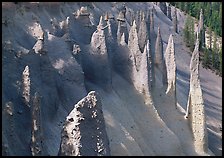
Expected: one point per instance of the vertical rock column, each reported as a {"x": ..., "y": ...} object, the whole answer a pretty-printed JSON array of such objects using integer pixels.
[
  {"x": 135, "y": 57},
  {"x": 26, "y": 85},
  {"x": 100, "y": 72},
  {"x": 195, "y": 107},
  {"x": 145, "y": 72},
  {"x": 36, "y": 140},
  {"x": 84, "y": 132},
  {"x": 171, "y": 68}
]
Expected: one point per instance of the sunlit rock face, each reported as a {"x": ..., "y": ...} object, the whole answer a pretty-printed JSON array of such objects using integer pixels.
[{"x": 84, "y": 132}]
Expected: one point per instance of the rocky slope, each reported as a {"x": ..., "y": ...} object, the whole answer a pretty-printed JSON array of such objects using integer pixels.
[{"x": 54, "y": 54}]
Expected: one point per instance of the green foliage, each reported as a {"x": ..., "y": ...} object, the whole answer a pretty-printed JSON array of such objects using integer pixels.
[
  {"x": 189, "y": 36},
  {"x": 212, "y": 13}
]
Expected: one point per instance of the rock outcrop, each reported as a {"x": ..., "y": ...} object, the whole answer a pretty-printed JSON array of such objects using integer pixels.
[
  {"x": 146, "y": 71},
  {"x": 84, "y": 132},
  {"x": 175, "y": 28},
  {"x": 142, "y": 34},
  {"x": 40, "y": 45},
  {"x": 36, "y": 134},
  {"x": 134, "y": 47},
  {"x": 169, "y": 11},
  {"x": 119, "y": 32},
  {"x": 171, "y": 68},
  {"x": 195, "y": 106},
  {"x": 100, "y": 71},
  {"x": 26, "y": 85}
]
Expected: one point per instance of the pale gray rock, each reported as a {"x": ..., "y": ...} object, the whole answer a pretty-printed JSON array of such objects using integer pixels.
[
  {"x": 100, "y": 71},
  {"x": 145, "y": 72},
  {"x": 119, "y": 32},
  {"x": 195, "y": 106},
  {"x": 40, "y": 46},
  {"x": 201, "y": 21},
  {"x": 171, "y": 68},
  {"x": 134, "y": 47},
  {"x": 36, "y": 134},
  {"x": 26, "y": 85},
  {"x": 84, "y": 132},
  {"x": 123, "y": 43}
]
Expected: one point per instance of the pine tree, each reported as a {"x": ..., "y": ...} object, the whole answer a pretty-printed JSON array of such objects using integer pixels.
[{"x": 205, "y": 60}]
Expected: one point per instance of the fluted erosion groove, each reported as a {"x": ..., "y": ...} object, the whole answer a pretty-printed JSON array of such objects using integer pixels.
[
  {"x": 84, "y": 132},
  {"x": 171, "y": 68},
  {"x": 195, "y": 106},
  {"x": 36, "y": 135},
  {"x": 26, "y": 85}
]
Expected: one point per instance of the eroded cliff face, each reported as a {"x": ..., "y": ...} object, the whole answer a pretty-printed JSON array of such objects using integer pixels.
[{"x": 84, "y": 132}]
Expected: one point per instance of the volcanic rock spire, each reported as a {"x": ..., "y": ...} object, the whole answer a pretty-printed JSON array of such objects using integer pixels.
[
  {"x": 84, "y": 132},
  {"x": 195, "y": 106},
  {"x": 134, "y": 46},
  {"x": 100, "y": 71},
  {"x": 36, "y": 140},
  {"x": 26, "y": 85},
  {"x": 123, "y": 43},
  {"x": 146, "y": 71},
  {"x": 119, "y": 32},
  {"x": 171, "y": 67}
]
